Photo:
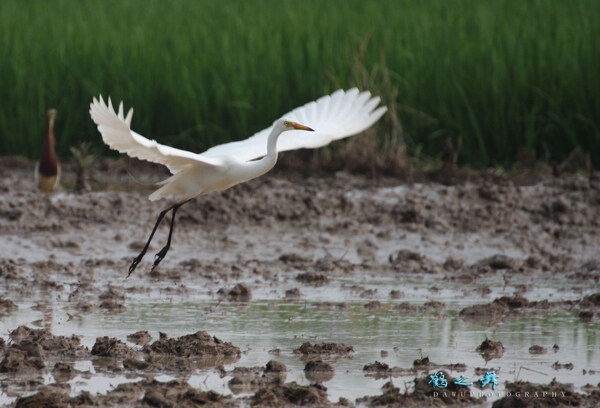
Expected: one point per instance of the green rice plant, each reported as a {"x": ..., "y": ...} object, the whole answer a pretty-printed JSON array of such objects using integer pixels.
[{"x": 501, "y": 75}]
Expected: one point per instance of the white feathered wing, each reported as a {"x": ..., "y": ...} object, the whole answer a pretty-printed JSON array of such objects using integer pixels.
[
  {"x": 333, "y": 117},
  {"x": 336, "y": 116}
]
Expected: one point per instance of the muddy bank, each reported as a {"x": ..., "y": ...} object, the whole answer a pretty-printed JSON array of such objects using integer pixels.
[{"x": 295, "y": 289}]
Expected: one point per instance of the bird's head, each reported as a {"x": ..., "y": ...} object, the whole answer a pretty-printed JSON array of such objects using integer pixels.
[
  {"x": 50, "y": 116},
  {"x": 285, "y": 124}
]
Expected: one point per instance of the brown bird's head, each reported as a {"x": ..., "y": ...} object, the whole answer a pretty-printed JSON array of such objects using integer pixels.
[{"x": 50, "y": 116}]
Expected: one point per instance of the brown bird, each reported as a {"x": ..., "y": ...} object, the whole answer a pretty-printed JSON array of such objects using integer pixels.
[{"x": 47, "y": 169}]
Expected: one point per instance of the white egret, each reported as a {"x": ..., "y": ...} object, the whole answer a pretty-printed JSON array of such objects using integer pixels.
[
  {"x": 47, "y": 169},
  {"x": 333, "y": 117}
]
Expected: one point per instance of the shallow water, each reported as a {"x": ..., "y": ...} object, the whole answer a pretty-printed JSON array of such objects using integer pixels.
[{"x": 269, "y": 322}]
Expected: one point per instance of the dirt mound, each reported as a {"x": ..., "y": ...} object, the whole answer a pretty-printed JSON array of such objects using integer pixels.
[
  {"x": 313, "y": 395},
  {"x": 249, "y": 379},
  {"x": 30, "y": 347},
  {"x": 318, "y": 371},
  {"x": 7, "y": 306},
  {"x": 239, "y": 293},
  {"x": 429, "y": 307},
  {"x": 178, "y": 393},
  {"x": 140, "y": 338},
  {"x": 46, "y": 399},
  {"x": 324, "y": 350},
  {"x": 312, "y": 278},
  {"x": 424, "y": 395},
  {"x": 554, "y": 394},
  {"x": 51, "y": 345},
  {"x": 379, "y": 370},
  {"x": 490, "y": 349},
  {"x": 111, "y": 347},
  {"x": 63, "y": 372},
  {"x": 199, "y": 344}
]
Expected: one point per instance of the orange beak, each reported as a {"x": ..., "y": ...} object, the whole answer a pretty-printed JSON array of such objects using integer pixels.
[{"x": 300, "y": 127}]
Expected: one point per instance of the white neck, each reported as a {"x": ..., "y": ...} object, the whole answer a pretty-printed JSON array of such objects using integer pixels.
[{"x": 259, "y": 167}]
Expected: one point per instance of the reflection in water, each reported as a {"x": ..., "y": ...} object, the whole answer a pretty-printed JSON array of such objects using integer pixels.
[{"x": 267, "y": 325}]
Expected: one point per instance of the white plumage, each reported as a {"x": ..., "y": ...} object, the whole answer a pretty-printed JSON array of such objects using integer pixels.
[
  {"x": 336, "y": 116},
  {"x": 332, "y": 117}
]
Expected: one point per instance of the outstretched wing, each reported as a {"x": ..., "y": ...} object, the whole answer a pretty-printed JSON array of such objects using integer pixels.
[
  {"x": 333, "y": 117},
  {"x": 116, "y": 133}
]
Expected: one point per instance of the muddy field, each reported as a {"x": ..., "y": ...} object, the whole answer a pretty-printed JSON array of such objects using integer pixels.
[{"x": 335, "y": 290}]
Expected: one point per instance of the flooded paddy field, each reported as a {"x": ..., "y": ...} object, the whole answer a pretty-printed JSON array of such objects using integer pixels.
[{"x": 336, "y": 290}]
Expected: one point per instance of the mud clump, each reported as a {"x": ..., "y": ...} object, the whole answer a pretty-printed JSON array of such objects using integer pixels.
[
  {"x": 586, "y": 316},
  {"x": 379, "y": 370},
  {"x": 487, "y": 314},
  {"x": 250, "y": 379},
  {"x": 318, "y": 371},
  {"x": 407, "y": 261},
  {"x": 591, "y": 301},
  {"x": 199, "y": 344},
  {"x": 396, "y": 294},
  {"x": 330, "y": 306},
  {"x": 428, "y": 307},
  {"x": 536, "y": 349},
  {"x": 490, "y": 349},
  {"x": 376, "y": 306},
  {"x": 51, "y": 345},
  {"x": 404, "y": 256},
  {"x": 24, "y": 358},
  {"x": 111, "y": 347},
  {"x": 555, "y": 395},
  {"x": 376, "y": 367},
  {"x": 424, "y": 395},
  {"x": 294, "y": 259},
  {"x": 112, "y": 307},
  {"x": 44, "y": 399},
  {"x": 30, "y": 347},
  {"x": 291, "y": 394},
  {"x": 495, "y": 262},
  {"x": 564, "y": 366},
  {"x": 63, "y": 372},
  {"x": 312, "y": 278},
  {"x": 324, "y": 350},
  {"x": 490, "y": 314},
  {"x": 140, "y": 338},
  {"x": 275, "y": 369},
  {"x": 293, "y": 294},
  {"x": 239, "y": 293},
  {"x": 178, "y": 393},
  {"x": 7, "y": 307}
]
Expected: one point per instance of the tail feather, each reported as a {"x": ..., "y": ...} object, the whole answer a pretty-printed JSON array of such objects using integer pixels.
[{"x": 174, "y": 186}]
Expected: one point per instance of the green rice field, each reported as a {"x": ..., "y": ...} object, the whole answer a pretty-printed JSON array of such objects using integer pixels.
[{"x": 500, "y": 76}]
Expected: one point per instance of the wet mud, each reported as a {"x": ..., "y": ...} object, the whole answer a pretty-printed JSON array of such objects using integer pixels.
[{"x": 480, "y": 252}]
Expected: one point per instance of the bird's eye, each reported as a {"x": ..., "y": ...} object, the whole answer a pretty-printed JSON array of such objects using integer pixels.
[{"x": 286, "y": 123}]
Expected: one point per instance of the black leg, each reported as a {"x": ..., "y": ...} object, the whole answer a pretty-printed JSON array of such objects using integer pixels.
[
  {"x": 161, "y": 254},
  {"x": 162, "y": 214}
]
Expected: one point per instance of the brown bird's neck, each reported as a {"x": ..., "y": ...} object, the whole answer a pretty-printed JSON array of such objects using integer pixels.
[{"x": 48, "y": 160}]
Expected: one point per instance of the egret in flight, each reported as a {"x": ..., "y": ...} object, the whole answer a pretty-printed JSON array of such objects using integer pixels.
[
  {"x": 47, "y": 169},
  {"x": 316, "y": 124}
]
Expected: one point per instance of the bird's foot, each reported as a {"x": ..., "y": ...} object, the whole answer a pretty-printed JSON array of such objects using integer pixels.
[
  {"x": 135, "y": 263},
  {"x": 159, "y": 257}
]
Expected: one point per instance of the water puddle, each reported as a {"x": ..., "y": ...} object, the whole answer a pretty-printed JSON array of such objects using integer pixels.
[{"x": 269, "y": 323}]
